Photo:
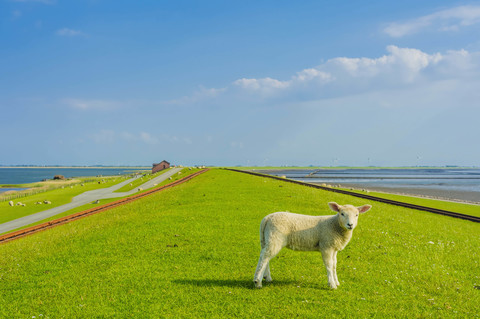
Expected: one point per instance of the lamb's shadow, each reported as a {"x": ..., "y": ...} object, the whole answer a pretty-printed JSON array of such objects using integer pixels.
[
  {"x": 233, "y": 283},
  {"x": 246, "y": 284}
]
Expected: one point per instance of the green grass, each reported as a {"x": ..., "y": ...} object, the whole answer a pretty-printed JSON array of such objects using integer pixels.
[
  {"x": 139, "y": 181},
  {"x": 191, "y": 251}
]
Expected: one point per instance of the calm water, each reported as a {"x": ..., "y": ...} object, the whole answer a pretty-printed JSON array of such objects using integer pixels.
[
  {"x": 444, "y": 180},
  {"x": 19, "y": 175}
]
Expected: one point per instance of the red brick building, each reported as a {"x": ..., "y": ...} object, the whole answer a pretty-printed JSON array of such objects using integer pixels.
[{"x": 160, "y": 166}]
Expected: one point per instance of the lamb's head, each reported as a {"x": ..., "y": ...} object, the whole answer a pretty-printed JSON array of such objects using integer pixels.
[{"x": 348, "y": 214}]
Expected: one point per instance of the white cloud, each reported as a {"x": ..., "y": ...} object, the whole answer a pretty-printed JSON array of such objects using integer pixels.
[
  {"x": 66, "y": 32},
  {"x": 310, "y": 74},
  {"x": 261, "y": 84},
  {"x": 268, "y": 86},
  {"x": 401, "y": 65},
  {"x": 344, "y": 75},
  {"x": 444, "y": 20},
  {"x": 81, "y": 104},
  {"x": 398, "y": 69}
]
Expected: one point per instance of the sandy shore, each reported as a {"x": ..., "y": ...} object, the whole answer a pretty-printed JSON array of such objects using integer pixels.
[{"x": 455, "y": 196}]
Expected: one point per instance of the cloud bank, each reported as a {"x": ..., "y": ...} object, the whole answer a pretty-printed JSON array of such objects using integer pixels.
[
  {"x": 452, "y": 19},
  {"x": 343, "y": 76}
]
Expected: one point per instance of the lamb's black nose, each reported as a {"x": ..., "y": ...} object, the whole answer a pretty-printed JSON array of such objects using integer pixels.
[{"x": 350, "y": 225}]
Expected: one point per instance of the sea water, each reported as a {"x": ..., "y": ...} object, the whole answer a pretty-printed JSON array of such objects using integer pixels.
[
  {"x": 23, "y": 175},
  {"x": 442, "y": 179}
]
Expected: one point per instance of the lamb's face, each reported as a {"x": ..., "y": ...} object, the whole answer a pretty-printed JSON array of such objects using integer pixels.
[
  {"x": 348, "y": 214},
  {"x": 348, "y": 217}
]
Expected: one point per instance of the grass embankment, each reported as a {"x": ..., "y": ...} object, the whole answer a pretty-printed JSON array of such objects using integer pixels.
[
  {"x": 55, "y": 194},
  {"x": 191, "y": 251},
  {"x": 148, "y": 176},
  {"x": 65, "y": 196}
]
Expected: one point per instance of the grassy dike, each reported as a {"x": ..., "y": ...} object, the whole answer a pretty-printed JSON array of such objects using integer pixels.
[
  {"x": 191, "y": 252},
  {"x": 57, "y": 196},
  {"x": 185, "y": 172}
]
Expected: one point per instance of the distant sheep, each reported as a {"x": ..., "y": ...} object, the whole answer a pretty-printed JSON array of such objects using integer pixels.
[
  {"x": 11, "y": 203},
  {"x": 47, "y": 202},
  {"x": 326, "y": 234},
  {"x": 140, "y": 189}
]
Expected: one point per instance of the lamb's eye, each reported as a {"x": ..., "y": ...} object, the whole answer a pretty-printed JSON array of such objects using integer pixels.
[
  {"x": 343, "y": 214},
  {"x": 357, "y": 215}
]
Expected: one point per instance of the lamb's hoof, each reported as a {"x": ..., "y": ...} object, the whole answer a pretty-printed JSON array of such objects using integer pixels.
[
  {"x": 332, "y": 285},
  {"x": 258, "y": 284},
  {"x": 268, "y": 279}
]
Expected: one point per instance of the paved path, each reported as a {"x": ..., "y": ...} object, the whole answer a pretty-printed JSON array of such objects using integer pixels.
[{"x": 85, "y": 198}]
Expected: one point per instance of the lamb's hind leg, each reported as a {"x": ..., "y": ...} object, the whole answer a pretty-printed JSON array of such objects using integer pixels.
[
  {"x": 267, "y": 276},
  {"x": 263, "y": 266}
]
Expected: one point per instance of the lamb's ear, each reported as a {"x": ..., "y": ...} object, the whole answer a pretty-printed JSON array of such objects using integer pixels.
[
  {"x": 364, "y": 208},
  {"x": 334, "y": 206}
]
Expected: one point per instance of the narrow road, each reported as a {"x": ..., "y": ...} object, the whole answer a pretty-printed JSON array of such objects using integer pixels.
[{"x": 83, "y": 199}]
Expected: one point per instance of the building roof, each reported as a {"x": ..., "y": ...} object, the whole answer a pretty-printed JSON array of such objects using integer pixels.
[{"x": 164, "y": 161}]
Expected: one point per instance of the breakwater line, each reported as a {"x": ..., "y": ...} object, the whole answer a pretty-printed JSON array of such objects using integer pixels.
[{"x": 369, "y": 197}]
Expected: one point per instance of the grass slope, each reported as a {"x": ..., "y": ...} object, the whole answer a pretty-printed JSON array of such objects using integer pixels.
[
  {"x": 57, "y": 197},
  {"x": 184, "y": 173},
  {"x": 191, "y": 251}
]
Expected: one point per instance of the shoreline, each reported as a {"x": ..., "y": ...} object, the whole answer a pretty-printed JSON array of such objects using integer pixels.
[{"x": 463, "y": 197}]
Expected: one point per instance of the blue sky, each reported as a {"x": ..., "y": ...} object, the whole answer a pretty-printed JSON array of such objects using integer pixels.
[{"x": 240, "y": 82}]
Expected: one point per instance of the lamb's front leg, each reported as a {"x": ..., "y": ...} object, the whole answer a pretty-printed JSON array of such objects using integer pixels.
[
  {"x": 328, "y": 257},
  {"x": 335, "y": 268}
]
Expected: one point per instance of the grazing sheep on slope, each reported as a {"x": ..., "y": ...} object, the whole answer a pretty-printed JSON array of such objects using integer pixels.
[{"x": 327, "y": 234}]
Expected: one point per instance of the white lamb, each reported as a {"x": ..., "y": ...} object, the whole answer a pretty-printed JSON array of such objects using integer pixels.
[{"x": 326, "y": 234}]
